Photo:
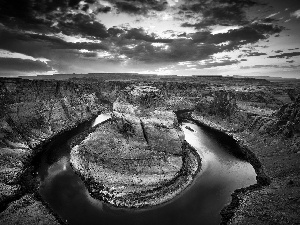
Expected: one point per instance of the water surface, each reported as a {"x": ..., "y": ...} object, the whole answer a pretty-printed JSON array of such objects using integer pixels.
[{"x": 200, "y": 203}]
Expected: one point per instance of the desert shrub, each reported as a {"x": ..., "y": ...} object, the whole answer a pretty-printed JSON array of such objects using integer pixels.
[{"x": 123, "y": 126}]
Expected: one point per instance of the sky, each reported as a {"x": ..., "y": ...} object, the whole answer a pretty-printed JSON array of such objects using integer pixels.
[{"x": 165, "y": 37}]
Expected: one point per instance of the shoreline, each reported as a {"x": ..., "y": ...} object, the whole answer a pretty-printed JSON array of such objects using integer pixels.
[
  {"x": 164, "y": 194},
  {"x": 228, "y": 212},
  {"x": 28, "y": 180},
  {"x": 160, "y": 195}
]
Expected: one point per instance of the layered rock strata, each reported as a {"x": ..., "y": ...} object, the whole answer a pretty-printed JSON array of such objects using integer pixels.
[
  {"x": 271, "y": 143},
  {"x": 31, "y": 113},
  {"x": 139, "y": 158}
]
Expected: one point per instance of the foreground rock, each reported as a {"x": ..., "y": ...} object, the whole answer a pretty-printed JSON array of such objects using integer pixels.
[
  {"x": 33, "y": 112},
  {"x": 139, "y": 158},
  {"x": 27, "y": 211}
]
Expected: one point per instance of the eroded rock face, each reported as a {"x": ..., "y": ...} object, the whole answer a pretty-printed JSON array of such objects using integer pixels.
[
  {"x": 135, "y": 155},
  {"x": 35, "y": 110},
  {"x": 220, "y": 103},
  {"x": 27, "y": 211},
  {"x": 289, "y": 117},
  {"x": 32, "y": 112}
]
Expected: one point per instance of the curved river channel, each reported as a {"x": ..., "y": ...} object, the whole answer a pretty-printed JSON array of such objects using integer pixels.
[{"x": 221, "y": 173}]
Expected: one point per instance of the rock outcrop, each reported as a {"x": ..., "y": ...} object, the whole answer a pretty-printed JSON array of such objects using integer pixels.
[
  {"x": 273, "y": 137},
  {"x": 27, "y": 210},
  {"x": 33, "y": 112},
  {"x": 138, "y": 158}
]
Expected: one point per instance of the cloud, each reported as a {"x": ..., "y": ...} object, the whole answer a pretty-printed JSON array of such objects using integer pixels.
[
  {"x": 129, "y": 8},
  {"x": 176, "y": 51},
  {"x": 23, "y": 65},
  {"x": 245, "y": 35},
  {"x": 89, "y": 54},
  {"x": 219, "y": 12},
  {"x": 256, "y": 54},
  {"x": 269, "y": 20},
  {"x": 66, "y": 16},
  {"x": 28, "y": 11},
  {"x": 139, "y": 7},
  {"x": 271, "y": 66},
  {"x": 104, "y": 9},
  {"x": 296, "y": 14},
  {"x": 222, "y": 62},
  {"x": 39, "y": 45},
  {"x": 45, "y": 29},
  {"x": 290, "y": 61},
  {"x": 140, "y": 34},
  {"x": 286, "y": 55},
  {"x": 81, "y": 24}
]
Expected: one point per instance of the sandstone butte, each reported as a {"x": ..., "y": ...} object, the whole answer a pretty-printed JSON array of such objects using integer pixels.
[{"x": 143, "y": 149}]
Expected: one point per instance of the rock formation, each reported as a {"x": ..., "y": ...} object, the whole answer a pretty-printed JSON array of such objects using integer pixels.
[
  {"x": 32, "y": 112},
  {"x": 138, "y": 158}
]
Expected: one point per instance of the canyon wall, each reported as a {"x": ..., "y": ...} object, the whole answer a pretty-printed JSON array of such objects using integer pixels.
[
  {"x": 31, "y": 113},
  {"x": 262, "y": 116}
]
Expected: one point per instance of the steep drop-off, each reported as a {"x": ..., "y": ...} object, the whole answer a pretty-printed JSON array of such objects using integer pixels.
[
  {"x": 274, "y": 139},
  {"x": 262, "y": 116},
  {"x": 32, "y": 112}
]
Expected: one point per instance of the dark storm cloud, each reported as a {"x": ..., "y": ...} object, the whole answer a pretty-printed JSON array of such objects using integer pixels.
[
  {"x": 221, "y": 12},
  {"x": 286, "y": 55},
  {"x": 228, "y": 15},
  {"x": 200, "y": 37},
  {"x": 29, "y": 9},
  {"x": 244, "y": 35},
  {"x": 270, "y": 66},
  {"x": 89, "y": 54},
  {"x": 269, "y": 20},
  {"x": 105, "y": 9},
  {"x": 23, "y": 65},
  {"x": 51, "y": 17},
  {"x": 81, "y": 24},
  {"x": 62, "y": 55},
  {"x": 197, "y": 46},
  {"x": 139, "y": 6},
  {"x": 290, "y": 61},
  {"x": 140, "y": 34},
  {"x": 37, "y": 45},
  {"x": 255, "y": 54},
  {"x": 129, "y": 8},
  {"x": 223, "y": 62},
  {"x": 176, "y": 51}
]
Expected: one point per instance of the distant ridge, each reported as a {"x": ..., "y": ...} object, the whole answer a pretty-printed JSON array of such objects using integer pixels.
[
  {"x": 274, "y": 79},
  {"x": 100, "y": 76},
  {"x": 138, "y": 76}
]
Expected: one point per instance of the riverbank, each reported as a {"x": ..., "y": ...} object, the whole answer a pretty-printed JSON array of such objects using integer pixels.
[
  {"x": 26, "y": 196},
  {"x": 149, "y": 178},
  {"x": 275, "y": 197}
]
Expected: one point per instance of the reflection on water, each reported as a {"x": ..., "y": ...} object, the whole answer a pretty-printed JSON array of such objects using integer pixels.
[{"x": 200, "y": 203}]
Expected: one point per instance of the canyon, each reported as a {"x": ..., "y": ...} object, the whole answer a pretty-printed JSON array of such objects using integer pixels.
[{"x": 144, "y": 159}]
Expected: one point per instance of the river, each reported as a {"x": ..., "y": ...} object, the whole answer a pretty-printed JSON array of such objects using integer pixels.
[{"x": 200, "y": 203}]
